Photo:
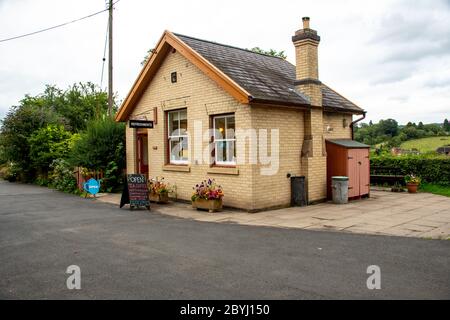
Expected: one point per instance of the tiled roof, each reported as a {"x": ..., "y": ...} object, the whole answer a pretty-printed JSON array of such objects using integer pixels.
[
  {"x": 267, "y": 78},
  {"x": 334, "y": 101},
  {"x": 348, "y": 143}
]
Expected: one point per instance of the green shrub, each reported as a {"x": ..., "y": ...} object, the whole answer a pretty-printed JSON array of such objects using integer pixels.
[
  {"x": 10, "y": 172},
  {"x": 102, "y": 148},
  {"x": 113, "y": 179},
  {"x": 42, "y": 180},
  {"x": 62, "y": 177},
  {"x": 430, "y": 168},
  {"x": 47, "y": 144}
]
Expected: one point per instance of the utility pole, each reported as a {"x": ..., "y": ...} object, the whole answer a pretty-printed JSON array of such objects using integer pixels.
[{"x": 110, "y": 61}]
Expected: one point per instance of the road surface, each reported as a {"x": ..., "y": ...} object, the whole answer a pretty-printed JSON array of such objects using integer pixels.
[{"x": 147, "y": 255}]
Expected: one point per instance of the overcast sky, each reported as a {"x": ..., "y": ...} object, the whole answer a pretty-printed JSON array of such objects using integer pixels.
[{"x": 392, "y": 58}]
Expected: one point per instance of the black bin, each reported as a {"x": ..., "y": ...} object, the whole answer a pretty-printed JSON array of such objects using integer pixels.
[{"x": 298, "y": 192}]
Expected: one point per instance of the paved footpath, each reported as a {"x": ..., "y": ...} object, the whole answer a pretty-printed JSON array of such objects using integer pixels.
[
  {"x": 149, "y": 255},
  {"x": 421, "y": 215}
]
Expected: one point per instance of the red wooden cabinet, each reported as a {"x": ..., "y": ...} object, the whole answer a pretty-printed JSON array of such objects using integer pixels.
[{"x": 351, "y": 159}]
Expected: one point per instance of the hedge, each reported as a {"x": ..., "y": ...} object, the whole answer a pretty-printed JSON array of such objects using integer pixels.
[{"x": 431, "y": 169}]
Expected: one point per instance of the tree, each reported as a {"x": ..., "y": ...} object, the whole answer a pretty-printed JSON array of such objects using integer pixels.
[
  {"x": 102, "y": 142},
  {"x": 47, "y": 144},
  {"x": 394, "y": 142},
  {"x": 80, "y": 103},
  {"x": 410, "y": 132},
  {"x": 147, "y": 56},
  {"x": 270, "y": 52},
  {"x": 17, "y": 127},
  {"x": 434, "y": 129},
  {"x": 388, "y": 127},
  {"x": 72, "y": 108},
  {"x": 446, "y": 125}
]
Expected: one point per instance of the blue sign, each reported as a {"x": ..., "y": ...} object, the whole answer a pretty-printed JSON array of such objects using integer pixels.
[{"x": 92, "y": 187}]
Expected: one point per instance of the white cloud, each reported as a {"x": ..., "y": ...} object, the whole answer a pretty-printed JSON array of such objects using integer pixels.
[{"x": 390, "y": 57}]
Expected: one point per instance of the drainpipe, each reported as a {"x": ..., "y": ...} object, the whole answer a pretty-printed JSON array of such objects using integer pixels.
[{"x": 355, "y": 122}]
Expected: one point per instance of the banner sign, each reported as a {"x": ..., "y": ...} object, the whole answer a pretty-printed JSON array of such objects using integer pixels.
[{"x": 141, "y": 124}]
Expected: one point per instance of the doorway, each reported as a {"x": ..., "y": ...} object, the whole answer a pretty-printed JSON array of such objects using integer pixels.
[
  {"x": 142, "y": 153},
  {"x": 358, "y": 172}
]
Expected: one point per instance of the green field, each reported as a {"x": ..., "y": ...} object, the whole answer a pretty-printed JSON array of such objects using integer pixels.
[{"x": 426, "y": 144}]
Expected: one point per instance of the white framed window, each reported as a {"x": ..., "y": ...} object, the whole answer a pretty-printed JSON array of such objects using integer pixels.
[
  {"x": 178, "y": 144},
  {"x": 224, "y": 140}
]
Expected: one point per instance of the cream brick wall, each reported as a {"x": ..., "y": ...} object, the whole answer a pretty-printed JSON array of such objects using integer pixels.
[
  {"x": 315, "y": 170},
  {"x": 202, "y": 97},
  {"x": 130, "y": 144},
  {"x": 275, "y": 190},
  {"x": 335, "y": 121}
]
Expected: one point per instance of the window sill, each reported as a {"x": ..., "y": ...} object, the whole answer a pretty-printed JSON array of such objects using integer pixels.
[
  {"x": 223, "y": 170},
  {"x": 177, "y": 168}
]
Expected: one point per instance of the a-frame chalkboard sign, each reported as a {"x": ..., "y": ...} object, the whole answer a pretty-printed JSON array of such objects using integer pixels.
[{"x": 135, "y": 192}]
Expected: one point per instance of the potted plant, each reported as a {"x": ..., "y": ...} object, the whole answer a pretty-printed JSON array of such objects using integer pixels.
[
  {"x": 207, "y": 196},
  {"x": 158, "y": 190},
  {"x": 412, "y": 183}
]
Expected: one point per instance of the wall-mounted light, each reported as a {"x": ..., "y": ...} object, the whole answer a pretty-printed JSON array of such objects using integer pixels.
[{"x": 329, "y": 128}]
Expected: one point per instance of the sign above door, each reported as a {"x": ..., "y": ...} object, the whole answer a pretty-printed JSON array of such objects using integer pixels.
[{"x": 141, "y": 124}]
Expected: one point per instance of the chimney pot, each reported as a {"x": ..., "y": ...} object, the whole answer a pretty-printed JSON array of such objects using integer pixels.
[{"x": 305, "y": 22}]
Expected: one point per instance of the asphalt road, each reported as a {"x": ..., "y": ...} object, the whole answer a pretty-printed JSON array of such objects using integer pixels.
[{"x": 142, "y": 255}]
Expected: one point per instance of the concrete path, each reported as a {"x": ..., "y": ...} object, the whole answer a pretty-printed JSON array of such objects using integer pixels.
[
  {"x": 421, "y": 215},
  {"x": 139, "y": 254}
]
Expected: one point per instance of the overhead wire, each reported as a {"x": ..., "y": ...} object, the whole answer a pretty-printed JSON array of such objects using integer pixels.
[
  {"x": 104, "y": 54},
  {"x": 56, "y": 26}
]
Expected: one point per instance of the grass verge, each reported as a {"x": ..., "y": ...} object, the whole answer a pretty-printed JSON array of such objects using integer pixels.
[{"x": 435, "y": 189}]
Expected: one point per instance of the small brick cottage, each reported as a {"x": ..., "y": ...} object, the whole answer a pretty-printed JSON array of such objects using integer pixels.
[{"x": 189, "y": 85}]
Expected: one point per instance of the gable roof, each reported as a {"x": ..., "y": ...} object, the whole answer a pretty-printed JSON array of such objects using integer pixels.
[
  {"x": 267, "y": 78},
  {"x": 248, "y": 76}
]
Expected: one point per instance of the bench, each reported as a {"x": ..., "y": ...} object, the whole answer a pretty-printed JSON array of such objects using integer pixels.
[{"x": 390, "y": 175}]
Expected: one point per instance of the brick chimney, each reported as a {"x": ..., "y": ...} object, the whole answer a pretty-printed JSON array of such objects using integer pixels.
[
  {"x": 306, "y": 42},
  {"x": 313, "y": 157}
]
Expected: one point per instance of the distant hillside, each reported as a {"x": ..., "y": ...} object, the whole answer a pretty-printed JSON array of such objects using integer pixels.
[
  {"x": 426, "y": 144},
  {"x": 388, "y": 133}
]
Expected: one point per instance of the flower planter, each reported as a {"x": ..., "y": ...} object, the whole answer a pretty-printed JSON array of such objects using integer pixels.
[
  {"x": 210, "y": 205},
  {"x": 158, "y": 198},
  {"x": 412, "y": 187}
]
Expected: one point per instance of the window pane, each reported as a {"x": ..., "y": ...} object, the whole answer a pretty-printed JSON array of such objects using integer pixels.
[
  {"x": 231, "y": 151},
  {"x": 175, "y": 149},
  {"x": 173, "y": 122},
  {"x": 184, "y": 155},
  {"x": 225, "y": 151},
  {"x": 220, "y": 128},
  {"x": 183, "y": 122},
  {"x": 230, "y": 127},
  {"x": 179, "y": 149},
  {"x": 221, "y": 151}
]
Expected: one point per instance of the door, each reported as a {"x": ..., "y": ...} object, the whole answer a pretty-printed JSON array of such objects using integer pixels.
[
  {"x": 364, "y": 171},
  {"x": 353, "y": 173},
  {"x": 358, "y": 172},
  {"x": 142, "y": 154}
]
